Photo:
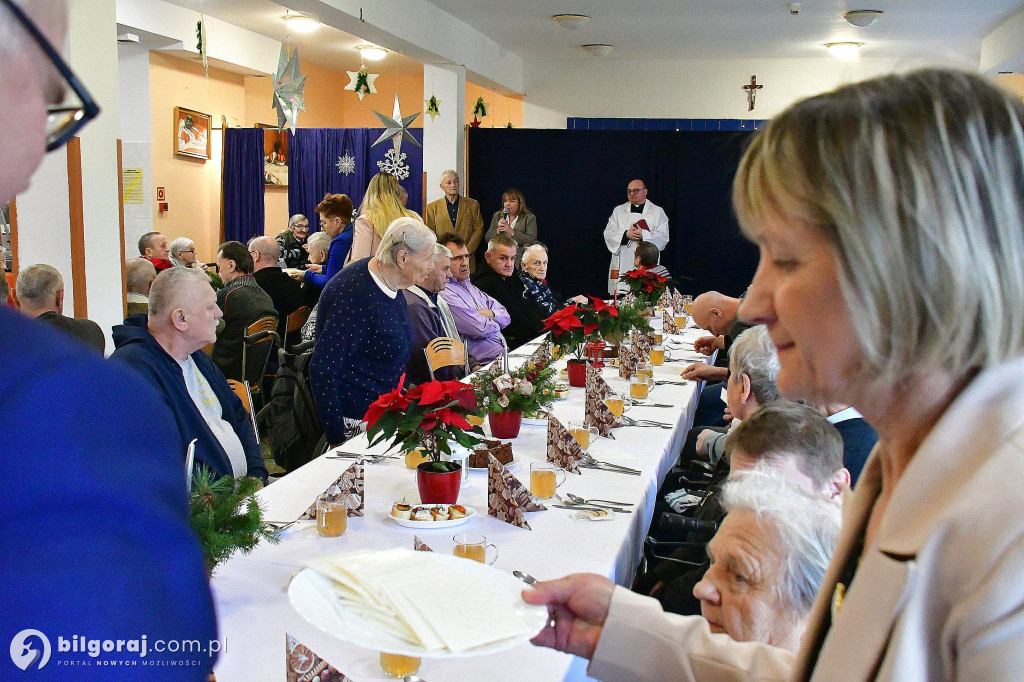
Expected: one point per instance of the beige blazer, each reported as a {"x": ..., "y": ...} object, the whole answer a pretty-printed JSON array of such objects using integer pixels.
[
  {"x": 469, "y": 224},
  {"x": 940, "y": 596}
]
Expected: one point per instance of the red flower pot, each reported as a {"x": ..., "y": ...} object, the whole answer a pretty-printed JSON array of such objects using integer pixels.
[
  {"x": 577, "y": 373},
  {"x": 438, "y": 487},
  {"x": 505, "y": 424}
]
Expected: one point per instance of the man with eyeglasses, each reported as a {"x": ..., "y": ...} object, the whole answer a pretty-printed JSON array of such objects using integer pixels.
[
  {"x": 637, "y": 220},
  {"x": 96, "y": 539}
]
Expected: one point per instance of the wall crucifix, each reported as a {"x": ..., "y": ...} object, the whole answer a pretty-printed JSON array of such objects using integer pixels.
[{"x": 752, "y": 89}]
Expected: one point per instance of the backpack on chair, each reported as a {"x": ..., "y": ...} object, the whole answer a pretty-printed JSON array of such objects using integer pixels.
[{"x": 289, "y": 420}]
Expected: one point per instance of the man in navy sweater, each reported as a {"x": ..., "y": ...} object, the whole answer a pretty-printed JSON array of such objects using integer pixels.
[{"x": 167, "y": 350}]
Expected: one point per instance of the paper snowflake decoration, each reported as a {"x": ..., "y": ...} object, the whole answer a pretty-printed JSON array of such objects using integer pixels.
[
  {"x": 394, "y": 163},
  {"x": 289, "y": 84},
  {"x": 346, "y": 164}
]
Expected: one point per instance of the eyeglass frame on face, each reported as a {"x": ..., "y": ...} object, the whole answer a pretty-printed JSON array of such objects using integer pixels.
[
  {"x": 636, "y": 190},
  {"x": 89, "y": 109}
]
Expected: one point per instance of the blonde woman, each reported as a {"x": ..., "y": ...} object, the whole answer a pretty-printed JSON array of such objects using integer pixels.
[{"x": 381, "y": 206}]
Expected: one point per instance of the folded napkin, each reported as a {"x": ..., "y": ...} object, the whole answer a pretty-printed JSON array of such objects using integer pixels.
[
  {"x": 302, "y": 665},
  {"x": 507, "y": 498},
  {"x": 542, "y": 354},
  {"x": 627, "y": 361},
  {"x": 495, "y": 366},
  {"x": 642, "y": 344},
  {"x": 669, "y": 325},
  {"x": 563, "y": 449},
  {"x": 628, "y": 300},
  {"x": 348, "y": 488},
  {"x": 598, "y": 413},
  {"x": 419, "y": 545},
  {"x": 665, "y": 300},
  {"x": 677, "y": 300}
]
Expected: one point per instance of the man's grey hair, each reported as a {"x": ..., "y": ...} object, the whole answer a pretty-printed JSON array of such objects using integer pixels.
[
  {"x": 181, "y": 244},
  {"x": 266, "y": 247},
  {"x": 532, "y": 248},
  {"x": 805, "y": 526},
  {"x": 450, "y": 171},
  {"x": 442, "y": 251},
  {"x": 501, "y": 239},
  {"x": 37, "y": 285},
  {"x": 407, "y": 234},
  {"x": 753, "y": 354},
  {"x": 319, "y": 241},
  {"x": 139, "y": 274},
  {"x": 170, "y": 286},
  {"x": 297, "y": 218}
]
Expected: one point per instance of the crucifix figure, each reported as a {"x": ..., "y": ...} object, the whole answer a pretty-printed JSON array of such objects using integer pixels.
[{"x": 752, "y": 89}]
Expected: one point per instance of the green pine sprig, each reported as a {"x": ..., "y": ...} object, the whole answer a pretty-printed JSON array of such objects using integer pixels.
[{"x": 226, "y": 516}]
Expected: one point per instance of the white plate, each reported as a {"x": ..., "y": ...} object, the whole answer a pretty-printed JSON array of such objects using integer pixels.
[
  {"x": 483, "y": 470},
  {"x": 433, "y": 525},
  {"x": 311, "y": 595}
]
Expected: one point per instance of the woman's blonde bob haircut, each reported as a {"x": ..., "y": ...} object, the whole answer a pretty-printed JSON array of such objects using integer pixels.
[
  {"x": 917, "y": 181},
  {"x": 381, "y": 204},
  {"x": 405, "y": 234}
]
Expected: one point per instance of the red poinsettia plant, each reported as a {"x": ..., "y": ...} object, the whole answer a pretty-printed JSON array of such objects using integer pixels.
[
  {"x": 645, "y": 284},
  {"x": 427, "y": 416},
  {"x": 574, "y": 325}
]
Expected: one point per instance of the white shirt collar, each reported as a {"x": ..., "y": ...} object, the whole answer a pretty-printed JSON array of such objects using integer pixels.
[
  {"x": 380, "y": 283},
  {"x": 844, "y": 415}
]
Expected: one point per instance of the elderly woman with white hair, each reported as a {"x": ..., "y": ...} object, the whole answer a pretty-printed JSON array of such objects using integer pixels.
[
  {"x": 889, "y": 215},
  {"x": 363, "y": 330},
  {"x": 534, "y": 275}
]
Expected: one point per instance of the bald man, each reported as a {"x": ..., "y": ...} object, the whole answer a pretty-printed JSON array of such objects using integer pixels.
[
  {"x": 285, "y": 292},
  {"x": 167, "y": 349},
  {"x": 714, "y": 312}
]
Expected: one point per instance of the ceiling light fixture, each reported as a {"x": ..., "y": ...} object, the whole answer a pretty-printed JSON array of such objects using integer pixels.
[
  {"x": 597, "y": 49},
  {"x": 301, "y": 23},
  {"x": 845, "y": 50},
  {"x": 862, "y": 17},
  {"x": 571, "y": 21},
  {"x": 372, "y": 52}
]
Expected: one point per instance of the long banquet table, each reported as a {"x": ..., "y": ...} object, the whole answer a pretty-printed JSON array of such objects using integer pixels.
[{"x": 250, "y": 591}]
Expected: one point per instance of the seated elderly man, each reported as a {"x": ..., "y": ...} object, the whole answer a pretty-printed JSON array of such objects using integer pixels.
[
  {"x": 183, "y": 255},
  {"x": 498, "y": 280},
  {"x": 430, "y": 318},
  {"x": 768, "y": 559},
  {"x": 478, "y": 316},
  {"x": 139, "y": 276},
  {"x": 153, "y": 247},
  {"x": 243, "y": 303},
  {"x": 534, "y": 276},
  {"x": 285, "y": 292},
  {"x": 40, "y": 290},
  {"x": 167, "y": 350},
  {"x": 716, "y": 313},
  {"x": 293, "y": 242}
]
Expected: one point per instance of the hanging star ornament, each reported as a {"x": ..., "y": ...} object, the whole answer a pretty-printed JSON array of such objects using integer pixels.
[
  {"x": 396, "y": 128},
  {"x": 433, "y": 107},
  {"x": 361, "y": 82},
  {"x": 289, "y": 84}
]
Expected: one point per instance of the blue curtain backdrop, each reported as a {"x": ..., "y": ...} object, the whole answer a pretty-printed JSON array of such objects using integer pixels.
[
  {"x": 243, "y": 184},
  {"x": 313, "y": 167},
  {"x": 572, "y": 179}
]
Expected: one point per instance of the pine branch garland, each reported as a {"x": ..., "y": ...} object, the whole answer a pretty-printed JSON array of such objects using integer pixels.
[{"x": 226, "y": 516}]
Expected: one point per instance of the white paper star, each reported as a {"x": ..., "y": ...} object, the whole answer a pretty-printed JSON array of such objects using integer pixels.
[
  {"x": 370, "y": 78},
  {"x": 289, "y": 84},
  {"x": 396, "y": 128}
]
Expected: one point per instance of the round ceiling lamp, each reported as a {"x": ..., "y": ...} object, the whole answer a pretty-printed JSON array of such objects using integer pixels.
[
  {"x": 301, "y": 23},
  {"x": 597, "y": 49},
  {"x": 372, "y": 52},
  {"x": 571, "y": 21},
  {"x": 844, "y": 50},
  {"x": 862, "y": 17}
]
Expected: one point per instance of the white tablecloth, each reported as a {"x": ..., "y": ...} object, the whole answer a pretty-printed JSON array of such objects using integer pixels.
[{"x": 250, "y": 591}]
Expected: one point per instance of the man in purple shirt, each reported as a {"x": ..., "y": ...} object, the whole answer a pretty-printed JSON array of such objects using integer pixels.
[{"x": 479, "y": 317}]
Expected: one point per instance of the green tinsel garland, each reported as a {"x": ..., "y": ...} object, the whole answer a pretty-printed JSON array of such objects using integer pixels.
[
  {"x": 481, "y": 108},
  {"x": 362, "y": 84},
  {"x": 226, "y": 516}
]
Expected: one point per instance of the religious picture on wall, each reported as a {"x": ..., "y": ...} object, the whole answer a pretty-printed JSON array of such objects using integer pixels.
[
  {"x": 191, "y": 133},
  {"x": 275, "y": 155}
]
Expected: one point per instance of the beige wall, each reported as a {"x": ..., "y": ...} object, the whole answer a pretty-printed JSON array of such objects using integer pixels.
[{"x": 500, "y": 109}]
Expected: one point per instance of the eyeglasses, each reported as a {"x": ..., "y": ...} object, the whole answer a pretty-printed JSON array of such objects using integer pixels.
[
  {"x": 187, "y": 251},
  {"x": 62, "y": 120},
  {"x": 635, "y": 191}
]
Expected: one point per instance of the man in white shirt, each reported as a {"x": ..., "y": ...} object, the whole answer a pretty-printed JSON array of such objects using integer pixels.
[{"x": 635, "y": 221}]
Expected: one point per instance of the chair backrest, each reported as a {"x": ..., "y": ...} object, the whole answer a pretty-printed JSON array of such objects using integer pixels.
[
  {"x": 294, "y": 323},
  {"x": 239, "y": 388},
  {"x": 259, "y": 340},
  {"x": 445, "y": 351}
]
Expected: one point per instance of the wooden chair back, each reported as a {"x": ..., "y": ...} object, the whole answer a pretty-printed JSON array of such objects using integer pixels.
[
  {"x": 445, "y": 351},
  {"x": 294, "y": 323}
]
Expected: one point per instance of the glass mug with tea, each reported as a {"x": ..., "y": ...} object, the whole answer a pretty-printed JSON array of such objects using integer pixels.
[
  {"x": 616, "y": 403},
  {"x": 681, "y": 318},
  {"x": 582, "y": 432},
  {"x": 469, "y": 546},
  {"x": 645, "y": 370},
  {"x": 640, "y": 386},
  {"x": 658, "y": 339},
  {"x": 544, "y": 479},
  {"x": 688, "y": 304},
  {"x": 397, "y": 665},
  {"x": 331, "y": 518},
  {"x": 659, "y": 356}
]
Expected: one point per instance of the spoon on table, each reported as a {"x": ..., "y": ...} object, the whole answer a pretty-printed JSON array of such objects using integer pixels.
[{"x": 525, "y": 577}]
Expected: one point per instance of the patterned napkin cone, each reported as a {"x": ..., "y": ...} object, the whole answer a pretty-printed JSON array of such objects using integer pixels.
[
  {"x": 508, "y": 500},
  {"x": 628, "y": 300},
  {"x": 677, "y": 299},
  {"x": 669, "y": 325},
  {"x": 641, "y": 344},
  {"x": 419, "y": 545},
  {"x": 348, "y": 487},
  {"x": 542, "y": 354},
  {"x": 665, "y": 300},
  {"x": 627, "y": 362},
  {"x": 598, "y": 413},
  {"x": 302, "y": 665},
  {"x": 495, "y": 366},
  {"x": 563, "y": 449}
]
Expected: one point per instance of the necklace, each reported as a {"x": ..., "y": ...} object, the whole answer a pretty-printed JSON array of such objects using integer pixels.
[{"x": 380, "y": 267}]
